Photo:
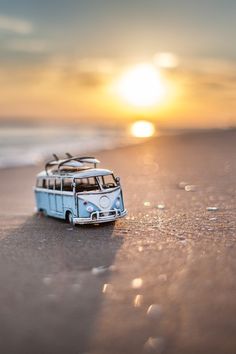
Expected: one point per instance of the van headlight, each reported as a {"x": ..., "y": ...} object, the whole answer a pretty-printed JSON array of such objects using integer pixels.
[
  {"x": 117, "y": 203},
  {"x": 89, "y": 208}
]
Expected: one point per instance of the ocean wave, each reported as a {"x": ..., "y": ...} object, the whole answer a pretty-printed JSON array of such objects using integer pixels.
[{"x": 24, "y": 146}]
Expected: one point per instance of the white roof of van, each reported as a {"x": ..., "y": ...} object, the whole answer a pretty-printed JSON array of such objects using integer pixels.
[{"x": 90, "y": 172}]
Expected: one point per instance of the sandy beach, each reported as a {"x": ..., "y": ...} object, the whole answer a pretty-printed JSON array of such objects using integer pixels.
[{"x": 174, "y": 250}]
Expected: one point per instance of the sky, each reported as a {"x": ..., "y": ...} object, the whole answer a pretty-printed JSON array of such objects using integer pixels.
[{"x": 63, "y": 59}]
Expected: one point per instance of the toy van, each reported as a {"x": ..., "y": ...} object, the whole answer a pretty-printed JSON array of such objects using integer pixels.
[{"x": 76, "y": 190}]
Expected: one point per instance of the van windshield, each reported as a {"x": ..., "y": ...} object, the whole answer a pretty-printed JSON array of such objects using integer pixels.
[
  {"x": 107, "y": 181},
  {"x": 86, "y": 184}
]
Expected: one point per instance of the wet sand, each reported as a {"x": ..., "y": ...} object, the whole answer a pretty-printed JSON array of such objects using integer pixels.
[{"x": 176, "y": 249}]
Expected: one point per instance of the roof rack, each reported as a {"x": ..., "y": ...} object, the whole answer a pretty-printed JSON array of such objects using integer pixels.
[{"x": 76, "y": 162}]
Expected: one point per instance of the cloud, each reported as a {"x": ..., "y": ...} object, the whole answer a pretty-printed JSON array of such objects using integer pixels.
[
  {"x": 166, "y": 60},
  {"x": 15, "y": 25},
  {"x": 94, "y": 72},
  {"x": 84, "y": 72},
  {"x": 97, "y": 65},
  {"x": 28, "y": 46}
]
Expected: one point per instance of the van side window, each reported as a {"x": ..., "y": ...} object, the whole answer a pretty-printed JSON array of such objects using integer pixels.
[
  {"x": 50, "y": 183},
  {"x": 58, "y": 184},
  {"x": 41, "y": 183},
  {"x": 67, "y": 185}
]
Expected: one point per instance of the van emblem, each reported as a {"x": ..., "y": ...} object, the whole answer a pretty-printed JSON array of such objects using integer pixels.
[{"x": 104, "y": 202}]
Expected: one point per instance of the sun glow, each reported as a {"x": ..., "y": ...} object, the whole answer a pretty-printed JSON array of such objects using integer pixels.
[
  {"x": 142, "y": 129},
  {"x": 142, "y": 86},
  {"x": 166, "y": 60}
]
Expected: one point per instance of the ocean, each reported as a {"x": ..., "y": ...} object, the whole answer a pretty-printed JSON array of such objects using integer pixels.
[{"x": 22, "y": 145}]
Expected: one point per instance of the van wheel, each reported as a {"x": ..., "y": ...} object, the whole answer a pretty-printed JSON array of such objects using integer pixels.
[
  {"x": 70, "y": 218},
  {"x": 42, "y": 212}
]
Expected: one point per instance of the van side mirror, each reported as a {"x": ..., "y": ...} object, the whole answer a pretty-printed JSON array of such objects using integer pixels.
[{"x": 118, "y": 180}]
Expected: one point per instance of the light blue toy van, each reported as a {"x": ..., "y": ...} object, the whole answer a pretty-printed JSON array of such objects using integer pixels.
[{"x": 76, "y": 190}]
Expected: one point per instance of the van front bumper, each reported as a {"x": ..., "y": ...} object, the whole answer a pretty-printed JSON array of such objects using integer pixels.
[{"x": 98, "y": 217}]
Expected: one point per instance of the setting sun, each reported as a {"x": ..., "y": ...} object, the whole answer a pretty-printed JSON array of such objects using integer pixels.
[
  {"x": 142, "y": 86},
  {"x": 142, "y": 129}
]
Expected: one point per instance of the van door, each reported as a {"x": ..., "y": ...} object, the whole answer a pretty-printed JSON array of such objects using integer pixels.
[
  {"x": 68, "y": 196},
  {"x": 51, "y": 196},
  {"x": 58, "y": 195}
]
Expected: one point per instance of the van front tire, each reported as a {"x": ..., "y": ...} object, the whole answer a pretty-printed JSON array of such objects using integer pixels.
[
  {"x": 69, "y": 218},
  {"x": 42, "y": 212}
]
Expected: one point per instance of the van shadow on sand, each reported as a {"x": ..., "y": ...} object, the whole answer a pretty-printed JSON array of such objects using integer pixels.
[{"x": 49, "y": 296}]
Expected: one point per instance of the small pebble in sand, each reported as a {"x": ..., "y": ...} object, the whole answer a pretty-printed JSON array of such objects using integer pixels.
[
  {"x": 99, "y": 270},
  {"x": 181, "y": 238},
  {"x": 103, "y": 269},
  {"x": 182, "y": 185},
  {"x": 47, "y": 280},
  {"x": 137, "y": 283},
  {"x": 138, "y": 300},
  {"x": 160, "y": 206},
  {"x": 147, "y": 204},
  {"x": 154, "y": 312},
  {"x": 107, "y": 288},
  {"x": 183, "y": 242},
  {"x": 190, "y": 188},
  {"x": 154, "y": 345},
  {"x": 212, "y": 208},
  {"x": 140, "y": 248}
]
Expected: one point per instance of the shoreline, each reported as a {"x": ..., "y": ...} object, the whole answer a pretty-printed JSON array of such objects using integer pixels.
[{"x": 131, "y": 142}]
